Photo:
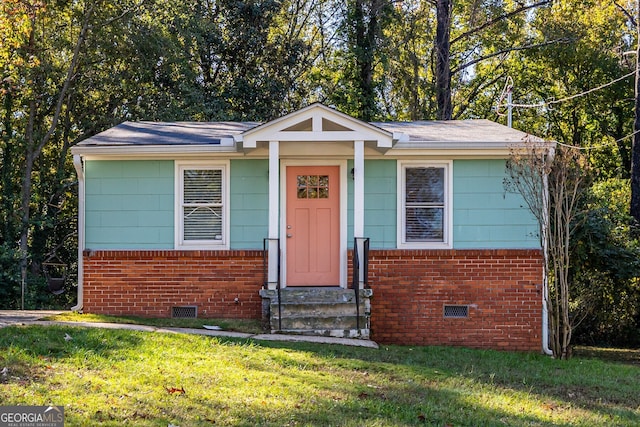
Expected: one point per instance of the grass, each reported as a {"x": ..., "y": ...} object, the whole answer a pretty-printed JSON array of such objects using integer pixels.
[
  {"x": 236, "y": 325},
  {"x": 114, "y": 378}
]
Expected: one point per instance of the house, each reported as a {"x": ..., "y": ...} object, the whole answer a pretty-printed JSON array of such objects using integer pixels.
[{"x": 315, "y": 222}]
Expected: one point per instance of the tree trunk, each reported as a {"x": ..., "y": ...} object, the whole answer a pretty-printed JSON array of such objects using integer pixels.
[
  {"x": 366, "y": 28},
  {"x": 35, "y": 144},
  {"x": 635, "y": 148},
  {"x": 443, "y": 60}
]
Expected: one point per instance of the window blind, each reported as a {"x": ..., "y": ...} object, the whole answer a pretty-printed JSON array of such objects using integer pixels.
[
  {"x": 202, "y": 204},
  {"x": 424, "y": 204}
]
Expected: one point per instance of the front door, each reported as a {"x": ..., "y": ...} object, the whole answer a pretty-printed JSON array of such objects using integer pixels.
[{"x": 313, "y": 225}]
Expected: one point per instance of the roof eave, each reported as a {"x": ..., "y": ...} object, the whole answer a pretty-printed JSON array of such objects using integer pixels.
[{"x": 151, "y": 150}]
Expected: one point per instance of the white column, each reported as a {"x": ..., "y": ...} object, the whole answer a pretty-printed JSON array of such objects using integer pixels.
[
  {"x": 358, "y": 189},
  {"x": 274, "y": 206},
  {"x": 358, "y": 197}
]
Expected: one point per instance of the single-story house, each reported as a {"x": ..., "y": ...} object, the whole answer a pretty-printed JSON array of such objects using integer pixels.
[{"x": 317, "y": 223}]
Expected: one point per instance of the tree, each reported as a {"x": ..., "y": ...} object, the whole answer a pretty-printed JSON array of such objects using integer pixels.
[
  {"x": 552, "y": 182},
  {"x": 492, "y": 17},
  {"x": 605, "y": 268},
  {"x": 634, "y": 21}
]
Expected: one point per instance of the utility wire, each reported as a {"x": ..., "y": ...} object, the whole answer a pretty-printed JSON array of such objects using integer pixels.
[
  {"x": 509, "y": 85},
  {"x": 578, "y": 95}
]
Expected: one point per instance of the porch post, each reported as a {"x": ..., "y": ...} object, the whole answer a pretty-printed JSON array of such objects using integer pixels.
[
  {"x": 274, "y": 206},
  {"x": 358, "y": 198}
]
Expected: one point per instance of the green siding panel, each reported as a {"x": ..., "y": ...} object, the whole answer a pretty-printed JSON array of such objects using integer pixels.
[
  {"x": 380, "y": 200},
  {"x": 484, "y": 215},
  {"x": 249, "y": 220},
  {"x": 379, "y": 203},
  {"x": 129, "y": 204}
]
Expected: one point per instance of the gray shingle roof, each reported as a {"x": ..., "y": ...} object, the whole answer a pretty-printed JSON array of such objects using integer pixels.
[
  {"x": 453, "y": 134},
  {"x": 168, "y": 133},
  {"x": 455, "y": 131}
]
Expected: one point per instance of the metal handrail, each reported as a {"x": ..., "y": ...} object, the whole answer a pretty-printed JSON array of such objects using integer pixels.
[
  {"x": 265, "y": 270},
  {"x": 355, "y": 283}
]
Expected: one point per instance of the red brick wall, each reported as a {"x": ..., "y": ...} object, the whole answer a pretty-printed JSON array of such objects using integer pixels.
[
  {"x": 502, "y": 287},
  {"x": 410, "y": 288},
  {"x": 149, "y": 283}
]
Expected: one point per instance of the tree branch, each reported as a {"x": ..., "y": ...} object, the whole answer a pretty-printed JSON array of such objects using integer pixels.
[
  {"x": 626, "y": 13},
  {"x": 502, "y": 52},
  {"x": 67, "y": 81},
  {"x": 499, "y": 18}
]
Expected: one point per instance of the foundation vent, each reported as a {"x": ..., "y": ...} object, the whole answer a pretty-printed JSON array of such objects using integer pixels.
[
  {"x": 456, "y": 311},
  {"x": 184, "y": 312}
]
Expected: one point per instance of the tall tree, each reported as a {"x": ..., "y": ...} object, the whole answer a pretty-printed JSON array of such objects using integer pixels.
[
  {"x": 634, "y": 21},
  {"x": 487, "y": 35}
]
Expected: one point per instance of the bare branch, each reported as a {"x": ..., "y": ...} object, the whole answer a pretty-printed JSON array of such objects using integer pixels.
[
  {"x": 626, "y": 13},
  {"x": 499, "y": 19},
  {"x": 502, "y": 52}
]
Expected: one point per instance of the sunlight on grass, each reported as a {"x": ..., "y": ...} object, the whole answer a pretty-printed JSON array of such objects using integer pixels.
[{"x": 114, "y": 378}]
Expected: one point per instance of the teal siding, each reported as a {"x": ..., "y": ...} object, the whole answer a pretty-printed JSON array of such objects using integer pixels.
[
  {"x": 380, "y": 201},
  {"x": 129, "y": 204},
  {"x": 484, "y": 215},
  {"x": 249, "y": 203}
]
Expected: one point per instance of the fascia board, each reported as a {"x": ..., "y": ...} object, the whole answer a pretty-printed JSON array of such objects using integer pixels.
[{"x": 151, "y": 150}]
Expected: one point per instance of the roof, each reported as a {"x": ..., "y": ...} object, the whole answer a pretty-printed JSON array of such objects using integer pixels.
[
  {"x": 313, "y": 123},
  {"x": 168, "y": 133},
  {"x": 454, "y": 133}
]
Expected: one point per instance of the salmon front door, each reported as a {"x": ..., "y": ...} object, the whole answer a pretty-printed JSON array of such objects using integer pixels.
[{"x": 313, "y": 225}]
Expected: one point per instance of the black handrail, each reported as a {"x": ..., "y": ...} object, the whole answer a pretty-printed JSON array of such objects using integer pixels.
[
  {"x": 355, "y": 283},
  {"x": 265, "y": 270}
]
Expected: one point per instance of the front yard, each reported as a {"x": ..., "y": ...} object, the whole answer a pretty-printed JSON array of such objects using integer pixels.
[{"x": 114, "y": 378}]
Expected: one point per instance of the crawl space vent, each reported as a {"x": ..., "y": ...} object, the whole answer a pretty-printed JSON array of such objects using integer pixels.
[
  {"x": 456, "y": 311},
  {"x": 184, "y": 312}
]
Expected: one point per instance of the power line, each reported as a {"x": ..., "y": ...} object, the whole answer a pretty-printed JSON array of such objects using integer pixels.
[
  {"x": 509, "y": 86},
  {"x": 568, "y": 98}
]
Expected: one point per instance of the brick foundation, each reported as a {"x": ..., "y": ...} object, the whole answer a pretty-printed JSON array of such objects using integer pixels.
[
  {"x": 410, "y": 288},
  {"x": 149, "y": 283},
  {"x": 503, "y": 289}
]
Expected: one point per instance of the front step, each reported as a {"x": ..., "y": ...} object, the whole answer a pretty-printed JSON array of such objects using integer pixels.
[{"x": 317, "y": 311}]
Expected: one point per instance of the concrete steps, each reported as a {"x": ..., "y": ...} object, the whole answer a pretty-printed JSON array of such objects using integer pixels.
[{"x": 318, "y": 311}]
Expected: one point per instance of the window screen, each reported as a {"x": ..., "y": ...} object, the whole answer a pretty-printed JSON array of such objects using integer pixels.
[
  {"x": 202, "y": 204},
  {"x": 424, "y": 204}
]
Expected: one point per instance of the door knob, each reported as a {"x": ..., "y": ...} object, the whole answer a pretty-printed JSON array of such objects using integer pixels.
[{"x": 289, "y": 236}]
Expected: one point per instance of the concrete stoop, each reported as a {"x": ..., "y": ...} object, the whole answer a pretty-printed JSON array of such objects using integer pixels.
[{"x": 324, "y": 311}]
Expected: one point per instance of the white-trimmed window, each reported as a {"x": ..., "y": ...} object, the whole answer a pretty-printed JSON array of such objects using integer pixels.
[
  {"x": 425, "y": 204},
  {"x": 202, "y": 208}
]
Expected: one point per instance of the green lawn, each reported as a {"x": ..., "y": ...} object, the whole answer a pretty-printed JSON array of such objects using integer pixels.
[{"x": 115, "y": 378}]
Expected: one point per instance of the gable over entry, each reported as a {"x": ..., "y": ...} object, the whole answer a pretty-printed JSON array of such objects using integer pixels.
[{"x": 306, "y": 134}]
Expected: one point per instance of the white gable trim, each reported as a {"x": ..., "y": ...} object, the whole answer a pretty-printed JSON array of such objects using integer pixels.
[{"x": 313, "y": 124}]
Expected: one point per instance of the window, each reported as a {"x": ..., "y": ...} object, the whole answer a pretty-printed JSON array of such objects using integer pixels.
[
  {"x": 313, "y": 186},
  {"x": 201, "y": 216},
  {"x": 425, "y": 205}
]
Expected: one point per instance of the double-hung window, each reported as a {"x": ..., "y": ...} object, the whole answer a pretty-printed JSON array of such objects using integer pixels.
[
  {"x": 201, "y": 214},
  {"x": 425, "y": 205}
]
